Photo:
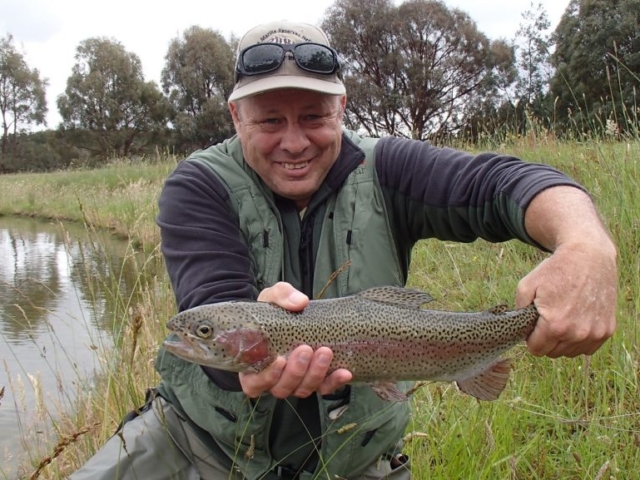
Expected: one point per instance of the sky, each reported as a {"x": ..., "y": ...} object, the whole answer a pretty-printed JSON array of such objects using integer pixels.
[{"x": 48, "y": 32}]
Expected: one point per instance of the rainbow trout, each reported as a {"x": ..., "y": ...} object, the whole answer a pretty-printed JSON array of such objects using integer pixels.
[{"x": 381, "y": 335}]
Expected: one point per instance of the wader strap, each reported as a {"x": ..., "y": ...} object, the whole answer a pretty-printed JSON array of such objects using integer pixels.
[{"x": 150, "y": 396}]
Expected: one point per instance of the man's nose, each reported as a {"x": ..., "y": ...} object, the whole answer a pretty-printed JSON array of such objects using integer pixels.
[{"x": 294, "y": 139}]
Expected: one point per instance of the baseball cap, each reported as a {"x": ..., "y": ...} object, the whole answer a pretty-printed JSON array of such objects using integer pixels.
[{"x": 289, "y": 74}]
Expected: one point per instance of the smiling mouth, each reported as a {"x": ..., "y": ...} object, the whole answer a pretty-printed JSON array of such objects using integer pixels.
[{"x": 294, "y": 166}]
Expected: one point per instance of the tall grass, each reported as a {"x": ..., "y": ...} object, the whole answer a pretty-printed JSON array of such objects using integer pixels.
[{"x": 564, "y": 418}]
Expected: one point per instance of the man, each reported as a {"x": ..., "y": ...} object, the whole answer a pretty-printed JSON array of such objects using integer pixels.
[{"x": 290, "y": 199}]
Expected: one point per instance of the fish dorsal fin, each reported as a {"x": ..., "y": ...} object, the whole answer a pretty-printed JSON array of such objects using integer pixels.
[
  {"x": 498, "y": 309},
  {"x": 488, "y": 384},
  {"x": 398, "y": 296}
]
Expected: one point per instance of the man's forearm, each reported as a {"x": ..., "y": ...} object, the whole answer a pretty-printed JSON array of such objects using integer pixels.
[{"x": 565, "y": 215}]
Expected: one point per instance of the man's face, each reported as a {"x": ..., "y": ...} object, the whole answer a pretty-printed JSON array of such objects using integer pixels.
[{"x": 291, "y": 138}]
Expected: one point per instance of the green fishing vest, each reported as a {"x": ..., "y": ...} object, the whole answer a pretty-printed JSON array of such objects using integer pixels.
[{"x": 355, "y": 228}]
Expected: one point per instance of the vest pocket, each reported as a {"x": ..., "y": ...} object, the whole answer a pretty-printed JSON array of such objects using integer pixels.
[
  {"x": 368, "y": 436},
  {"x": 368, "y": 429},
  {"x": 241, "y": 425},
  {"x": 238, "y": 424},
  {"x": 228, "y": 415}
]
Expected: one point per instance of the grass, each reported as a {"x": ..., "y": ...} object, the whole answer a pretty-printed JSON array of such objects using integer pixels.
[
  {"x": 121, "y": 196},
  {"x": 564, "y": 418}
]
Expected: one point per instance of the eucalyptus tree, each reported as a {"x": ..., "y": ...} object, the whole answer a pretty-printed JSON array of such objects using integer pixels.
[
  {"x": 22, "y": 96},
  {"x": 597, "y": 61},
  {"x": 198, "y": 77},
  {"x": 417, "y": 69},
  {"x": 108, "y": 100},
  {"x": 534, "y": 54}
]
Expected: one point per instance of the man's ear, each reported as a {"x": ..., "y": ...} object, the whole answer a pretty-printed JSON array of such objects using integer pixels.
[
  {"x": 235, "y": 114},
  {"x": 234, "y": 109},
  {"x": 343, "y": 105}
]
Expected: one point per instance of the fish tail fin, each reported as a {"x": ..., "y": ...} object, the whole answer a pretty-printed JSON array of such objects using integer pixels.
[{"x": 488, "y": 384}]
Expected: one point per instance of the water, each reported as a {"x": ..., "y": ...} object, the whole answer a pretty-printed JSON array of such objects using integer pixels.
[{"x": 59, "y": 289}]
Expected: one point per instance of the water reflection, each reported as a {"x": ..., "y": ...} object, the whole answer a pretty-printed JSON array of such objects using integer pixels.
[
  {"x": 30, "y": 280},
  {"x": 63, "y": 291}
]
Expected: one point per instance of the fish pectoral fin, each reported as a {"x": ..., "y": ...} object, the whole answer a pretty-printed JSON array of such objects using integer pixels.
[
  {"x": 398, "y": 296},
  {"x": 488, "y": 384},
  {"x": 388, "y": 391},
  {"x": 261, "y": 364}
]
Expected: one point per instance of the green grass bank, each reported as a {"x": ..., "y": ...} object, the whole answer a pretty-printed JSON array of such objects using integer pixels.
[
  {"x": 566, "y": 418},
  {"x": 121, "y": 196}
]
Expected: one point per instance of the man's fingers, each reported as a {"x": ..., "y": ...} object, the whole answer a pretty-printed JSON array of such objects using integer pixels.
[
  {"x": 316, "y": 372},
  {"x": 284, "y": 295},
  {"x": 567, "y": 349},
  {"x": 294, "y": 372},
  {"x": 562, "y": 338},
  {"x": 525, "y": 293},
  {"x": 539, "y": 342},
  {"x": 254, "y": 384},
  {"x": 335, "y": 380},
  {"x": 303, "y": 373}
]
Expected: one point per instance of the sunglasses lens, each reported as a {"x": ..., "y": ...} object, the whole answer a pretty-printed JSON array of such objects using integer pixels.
[
  {"x": 265, "y": 58},
  {"x": 315, "y": 58},
  {"x": 262, "y": 59}
]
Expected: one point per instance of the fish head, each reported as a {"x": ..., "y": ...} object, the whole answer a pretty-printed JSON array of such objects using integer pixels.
[{"x": 210, "y": 335}]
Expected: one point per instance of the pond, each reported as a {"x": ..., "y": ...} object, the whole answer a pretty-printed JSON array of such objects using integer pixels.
[{"x": 61, "y": 286}]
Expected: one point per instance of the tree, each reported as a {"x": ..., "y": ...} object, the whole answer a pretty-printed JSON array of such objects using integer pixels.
[
  {"x": 108, "y": 98},
  {"x": 22, "y": 95},
  {"x": 417, "y": 69},
  {"x": 534, "y": 52},
  {"x": 198, "y": 78},
  {"x": 597, "y": 61}
]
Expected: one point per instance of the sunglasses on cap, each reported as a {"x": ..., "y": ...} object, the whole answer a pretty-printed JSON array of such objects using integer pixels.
[{"x": 268, "y": 57}]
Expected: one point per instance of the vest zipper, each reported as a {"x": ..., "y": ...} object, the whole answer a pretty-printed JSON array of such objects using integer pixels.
[{"x": 306, "y": 255}]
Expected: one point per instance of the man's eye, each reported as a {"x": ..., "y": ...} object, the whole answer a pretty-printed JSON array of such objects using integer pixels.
[
  {"x": 314, "y": 119},
  {"x": 271, "y": 121}
]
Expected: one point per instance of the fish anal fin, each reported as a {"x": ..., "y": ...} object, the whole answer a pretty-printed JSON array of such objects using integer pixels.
[
  {"x": 488, "y": 384},
  {"x": 498, "y": 309},
  {"x": 398, "y": 296},
  {"x": 388, "y": 391}
]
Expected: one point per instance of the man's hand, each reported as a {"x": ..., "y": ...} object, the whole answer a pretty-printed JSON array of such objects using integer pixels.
[
  {"x": 305, "y": 371},
  {"x": 575, "y": 288},
  {"x": 575, "y": 293}
]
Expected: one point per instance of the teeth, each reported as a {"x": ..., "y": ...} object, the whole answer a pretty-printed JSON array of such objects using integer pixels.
[{"x": 294, "y": 166}]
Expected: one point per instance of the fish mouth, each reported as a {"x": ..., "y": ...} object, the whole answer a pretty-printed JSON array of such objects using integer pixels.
[
  {"x": 189, "y": 348},
  {"x": 182, "y": 348},
  {"x": 186, "y": 347},
  {"x": 177, "y": 344}
]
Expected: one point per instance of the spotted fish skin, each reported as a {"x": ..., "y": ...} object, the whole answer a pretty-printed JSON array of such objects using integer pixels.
[{"x": 380, "y": 335}]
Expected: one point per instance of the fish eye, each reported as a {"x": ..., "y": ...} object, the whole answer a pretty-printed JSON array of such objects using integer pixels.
[{"x": 204, "y": 331}]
